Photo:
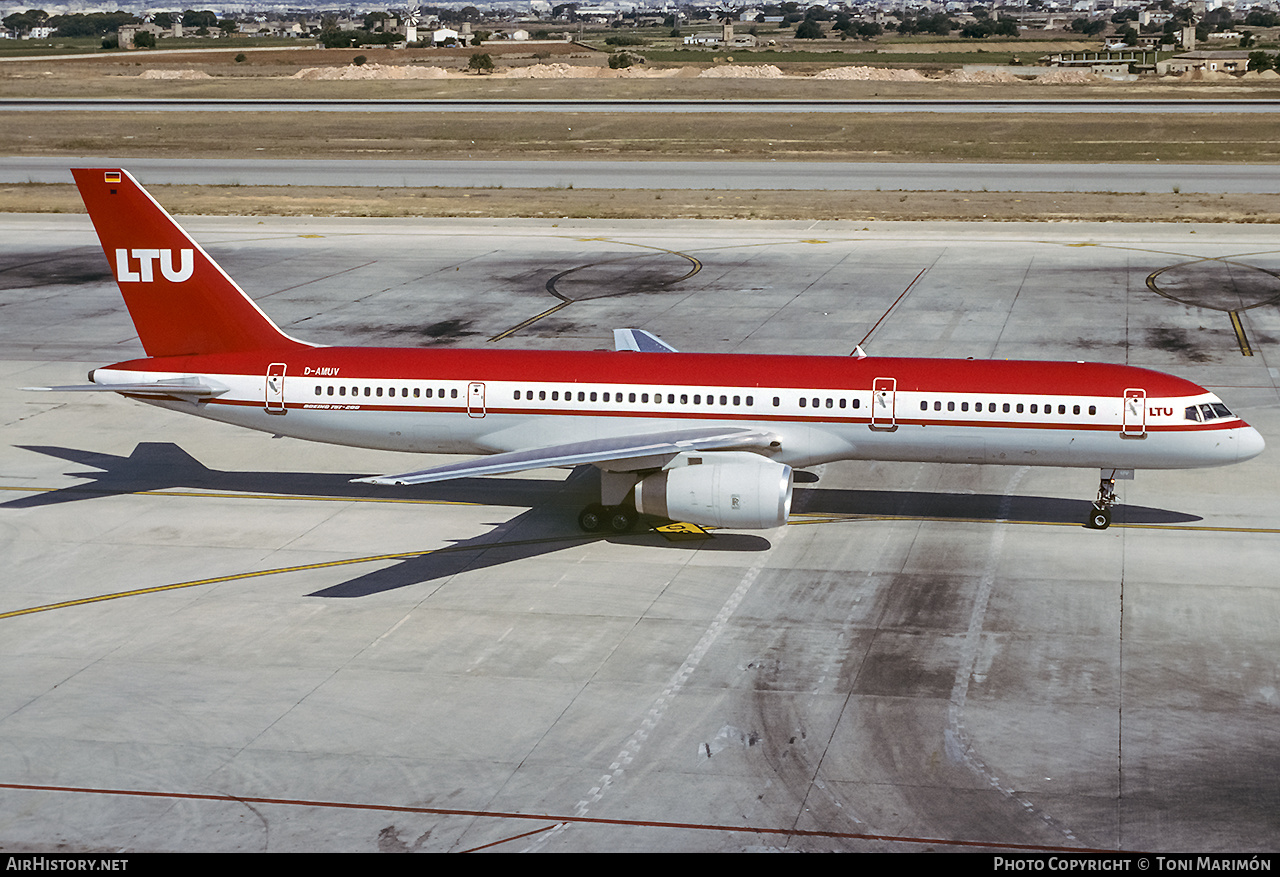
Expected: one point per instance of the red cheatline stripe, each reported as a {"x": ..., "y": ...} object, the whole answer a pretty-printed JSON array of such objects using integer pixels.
[{"x": 545, "y": 817}]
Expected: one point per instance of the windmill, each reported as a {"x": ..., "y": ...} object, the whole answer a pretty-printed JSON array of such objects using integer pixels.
[
  {"x": 409, "y": 19},
  {"x": 726, "y": 14}
]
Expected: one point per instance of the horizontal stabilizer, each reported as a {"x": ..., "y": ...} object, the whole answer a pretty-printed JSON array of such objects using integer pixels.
[
  {"x": 150, "y": 388},
  {"x": 640, "y": 341},
  {"x": 622, "y": 454}
]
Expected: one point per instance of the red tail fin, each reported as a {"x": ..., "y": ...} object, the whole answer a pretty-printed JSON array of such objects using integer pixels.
[{"x": 181, "y": 302}]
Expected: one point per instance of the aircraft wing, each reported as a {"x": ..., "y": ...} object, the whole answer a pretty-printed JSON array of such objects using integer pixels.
[
  {"x": 640, "y": 341},
  {"x": 622, "y": 454}
]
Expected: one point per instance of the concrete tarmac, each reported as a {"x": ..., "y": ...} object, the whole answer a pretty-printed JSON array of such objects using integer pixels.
[{"x": 211, "y": 640}]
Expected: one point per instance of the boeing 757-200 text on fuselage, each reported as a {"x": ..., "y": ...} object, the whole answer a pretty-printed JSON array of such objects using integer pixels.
[{"x": 701, "y": 438}]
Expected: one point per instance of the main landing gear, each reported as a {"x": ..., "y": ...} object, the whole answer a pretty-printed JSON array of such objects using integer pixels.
[
  {"x": 1100, "y": 516},
  {"x": 597, "y": 518}
]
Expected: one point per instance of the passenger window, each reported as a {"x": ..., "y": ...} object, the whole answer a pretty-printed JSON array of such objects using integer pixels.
[
  {"x": 1035, "y": 409},
  {"x": 951, "y": 406},
  {"x": 803, "y": 401},
  {"x": 1006, "y": 408},
  {"x": 1075, "y": 409},
  {"x": 964, "y": 406},
  {"x": 1062, "y": 409},
  {"x": 776, "y": 401},
  {"x": 1093, "y": 409},
  {"x": 857, "y": 403},
  {"x": 1019, "y": 408}
]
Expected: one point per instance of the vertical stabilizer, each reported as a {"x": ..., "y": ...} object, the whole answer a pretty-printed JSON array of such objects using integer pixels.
[{"x": 181, "y": 302}]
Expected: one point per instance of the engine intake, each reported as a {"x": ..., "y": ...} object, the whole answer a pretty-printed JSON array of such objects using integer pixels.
[{"x": 733, "y": 489}]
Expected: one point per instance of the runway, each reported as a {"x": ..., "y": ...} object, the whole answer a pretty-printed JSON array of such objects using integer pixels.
[
  {"x": 647, "y": 106},
  {"x": 611, "y": 174},
  {"x": 214, "y": 641}
]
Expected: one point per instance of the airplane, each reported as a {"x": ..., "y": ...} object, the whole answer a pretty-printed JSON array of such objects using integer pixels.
[{"x": 715, "y": 440}]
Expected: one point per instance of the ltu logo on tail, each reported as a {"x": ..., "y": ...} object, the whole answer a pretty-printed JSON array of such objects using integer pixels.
[{"x": 146, "y": 260}]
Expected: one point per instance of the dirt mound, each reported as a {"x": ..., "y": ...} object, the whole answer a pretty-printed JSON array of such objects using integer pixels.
[
  {"x": 735, "y": 71},
  {"x": 372, "y": 71},
  {"x": 1067, "y": 77},
  {"x": 871, "y": 74},
  {"x": 552, "y": 71},
  {"x": 174, "y": 74},
  {"x": 980, "y": 76}
]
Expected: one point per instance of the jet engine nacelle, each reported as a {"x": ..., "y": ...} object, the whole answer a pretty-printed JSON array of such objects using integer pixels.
[{"x": 737, "y": 490}]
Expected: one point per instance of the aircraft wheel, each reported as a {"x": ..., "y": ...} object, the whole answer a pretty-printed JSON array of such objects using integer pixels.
[
  {"x": 621, "y": 519},
  {"x": 592, "y": 518},
  {"x": 1099, "y": 518}
]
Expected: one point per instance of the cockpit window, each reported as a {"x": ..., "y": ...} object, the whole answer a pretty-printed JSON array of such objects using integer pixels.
[{"x": 1207, "y": 411}]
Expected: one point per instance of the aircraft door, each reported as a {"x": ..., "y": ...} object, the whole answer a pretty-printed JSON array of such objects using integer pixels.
[
  {"x": 275, "y": 388},
  {"x": 884, "y": 398},
  {"x": 1134, "y": 423},
  {"x": 475, "y": 399}
]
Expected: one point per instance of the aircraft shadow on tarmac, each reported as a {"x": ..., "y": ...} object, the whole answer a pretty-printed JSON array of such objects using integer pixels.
[{"x": 549, "y": 523}]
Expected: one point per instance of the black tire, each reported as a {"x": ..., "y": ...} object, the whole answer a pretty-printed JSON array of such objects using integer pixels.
[
  {"x": 592, "y": 519},
  {"x": 1099, "y": 519},
  {"x": 621, "y": 520}
]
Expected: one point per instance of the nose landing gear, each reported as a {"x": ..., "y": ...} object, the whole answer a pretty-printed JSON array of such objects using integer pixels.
[{"x": 1100, "y": 514}]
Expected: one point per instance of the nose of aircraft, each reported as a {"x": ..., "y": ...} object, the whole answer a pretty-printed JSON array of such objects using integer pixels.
[{"x": 1249, "y": 443}]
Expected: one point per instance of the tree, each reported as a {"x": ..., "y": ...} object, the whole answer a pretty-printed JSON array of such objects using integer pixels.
[
  {"x": 144, "y": 39},
  {"x": 809, "y": 30},
  {"x": 624, "y": 59},
  {"x": 205, "y": 18},
  {"x": 481, "y": 62},
  {"x": 1261, "y": 61},
  {"x": 23, "y": 22}
]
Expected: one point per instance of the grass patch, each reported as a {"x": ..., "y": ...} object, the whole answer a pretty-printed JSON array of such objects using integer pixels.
[
  {"x": 556, "y": 203},
  {"x": 1214, "y": 138}
]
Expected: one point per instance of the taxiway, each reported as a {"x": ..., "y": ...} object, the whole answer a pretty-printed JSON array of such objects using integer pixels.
[{"x": 212, "y": 640}]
